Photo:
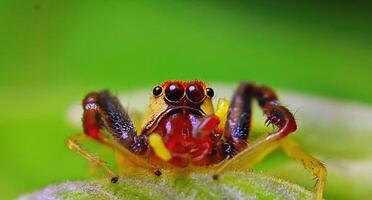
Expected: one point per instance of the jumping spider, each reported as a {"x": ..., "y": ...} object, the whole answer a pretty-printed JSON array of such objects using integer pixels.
[{"x": 181, "y": 129}]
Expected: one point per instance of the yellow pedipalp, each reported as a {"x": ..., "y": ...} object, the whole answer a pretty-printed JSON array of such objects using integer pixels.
[
  {"x": 157, "y": 144},
  {"x": 221, "y": 111}
]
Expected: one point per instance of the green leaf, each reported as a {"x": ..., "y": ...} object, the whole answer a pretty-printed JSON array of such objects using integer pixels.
[{"x": 232, "y": 185}]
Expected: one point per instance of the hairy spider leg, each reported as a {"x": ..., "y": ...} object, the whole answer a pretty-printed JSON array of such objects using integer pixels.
[
  {"x": 292, "y": 149},
  {"x": 103, "y": 111},
  {"x": 238, "y": 122},
  {"x": 237, "y": 130},
  {"x": 258, "y": 151},
  {"x": 123, "y": 155},
  {"x": 73, "y": 143}
]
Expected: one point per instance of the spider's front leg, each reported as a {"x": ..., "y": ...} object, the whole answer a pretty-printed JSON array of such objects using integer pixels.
[
  {"x": 103, "y": 111},
  {"x": 238, "y": 124},
  {"x": 237, "y": 129}
]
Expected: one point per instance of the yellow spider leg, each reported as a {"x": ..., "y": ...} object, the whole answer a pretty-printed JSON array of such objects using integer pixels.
[
  {"x": 126, "y": 154},
  {"x": 292, "y": 149},
  {"x": 125, "y": 166},
  {"x": 157, "y": 144},
  {"x": 247, "y": 158},
  {"x": 256, "y": 152},
  {"x": 221, "y": 112},
  {"x": 92, "y": 170},
  {"x": 121, "y": 162},
  {"x": 73, "y": 143}
]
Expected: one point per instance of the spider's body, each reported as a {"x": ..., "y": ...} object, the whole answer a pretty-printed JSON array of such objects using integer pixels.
[
  {"x": 181, "y": 136},
  {"x": 182, "y": 128},
  {"x": 182, "y": 114}
]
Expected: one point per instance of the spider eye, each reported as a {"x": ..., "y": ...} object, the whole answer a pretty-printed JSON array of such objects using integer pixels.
[
  {"x": 195, "y": 93},
  {"x": 210, "y": 92},
  {"x": 174, "y": 92},
  {"x": 157, "y": 90}
]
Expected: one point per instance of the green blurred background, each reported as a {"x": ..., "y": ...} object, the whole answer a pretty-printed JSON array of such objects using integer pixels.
[{"x": 54, "y": 52}]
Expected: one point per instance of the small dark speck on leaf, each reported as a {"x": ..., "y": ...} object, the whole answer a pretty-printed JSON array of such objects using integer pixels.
[
  {"x": 216, "y": 177},
  {"x": 114, "y": 179},
  {"x": 157, "y": 172}
]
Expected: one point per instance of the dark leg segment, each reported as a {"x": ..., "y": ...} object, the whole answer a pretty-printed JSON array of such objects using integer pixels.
[
  {"x": 102, "y": 110},
  {"x": 238, "y": 126},
  {"x": 238, "y": 122}
]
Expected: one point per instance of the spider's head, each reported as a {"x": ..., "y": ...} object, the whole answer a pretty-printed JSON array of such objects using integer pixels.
[{"x": 178, "y": 96}]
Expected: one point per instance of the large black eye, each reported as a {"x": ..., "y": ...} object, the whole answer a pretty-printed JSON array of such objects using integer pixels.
[
  {"x": 157, "y": 90},
  {"x": 210, "y": 92},
  {"x": 195, "y": 93},
  {"x": 174, "y": 92}
]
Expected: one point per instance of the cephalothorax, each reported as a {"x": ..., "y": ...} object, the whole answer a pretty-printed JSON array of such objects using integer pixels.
[{"x": 182, "y": 128}]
